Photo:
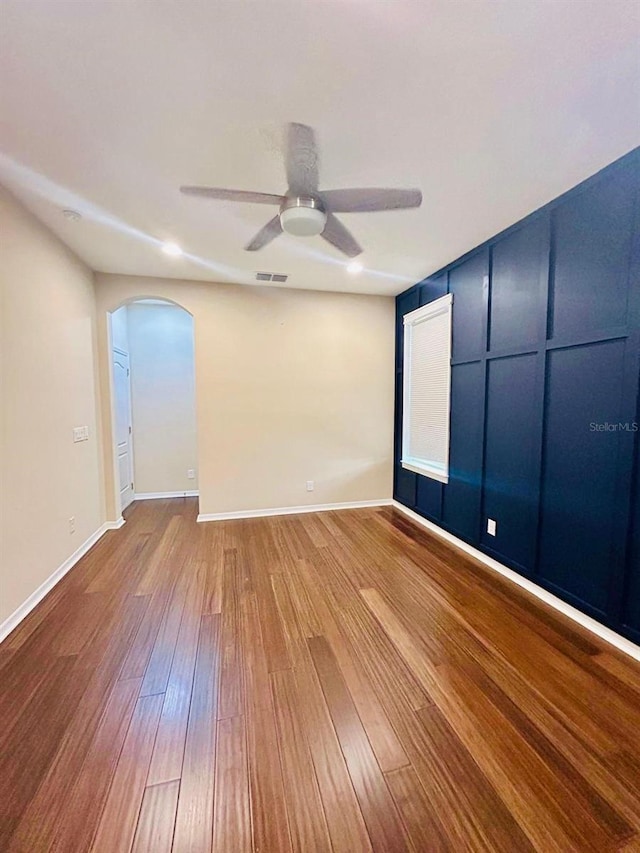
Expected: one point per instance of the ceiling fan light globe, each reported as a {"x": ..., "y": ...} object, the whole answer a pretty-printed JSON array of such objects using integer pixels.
[{"x": 303, "y": 220}]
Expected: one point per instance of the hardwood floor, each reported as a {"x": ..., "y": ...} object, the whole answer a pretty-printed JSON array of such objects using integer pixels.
[{"x": 331, "y": 681}]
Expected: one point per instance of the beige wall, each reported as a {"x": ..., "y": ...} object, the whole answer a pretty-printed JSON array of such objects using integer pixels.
[
  {"x": 47, "y": 386},
  {"x": 290, "y": 386},
  {"x": 160, "y": 341}
]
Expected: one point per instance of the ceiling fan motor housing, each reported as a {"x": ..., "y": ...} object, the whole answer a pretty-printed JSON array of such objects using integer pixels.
[{"x": 303, "y": 216}]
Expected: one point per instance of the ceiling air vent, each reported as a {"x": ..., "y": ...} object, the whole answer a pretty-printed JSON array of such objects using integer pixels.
[{"x": 271, "y": 276}]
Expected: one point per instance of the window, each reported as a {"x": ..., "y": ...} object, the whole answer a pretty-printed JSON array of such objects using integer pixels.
[{"x": 427, "y": 389}]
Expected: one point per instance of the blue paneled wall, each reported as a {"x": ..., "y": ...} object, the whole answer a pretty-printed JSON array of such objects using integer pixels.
[{"x": 545, "y": 413}]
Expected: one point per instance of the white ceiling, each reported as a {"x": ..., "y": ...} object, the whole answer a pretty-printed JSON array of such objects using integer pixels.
[{"x": 491, "y": 107}]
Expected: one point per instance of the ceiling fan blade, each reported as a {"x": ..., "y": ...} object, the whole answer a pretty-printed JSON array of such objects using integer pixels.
[
  {"x": 301, "y": 159},
  {"x": 336, "y": 234},
  {"x": 233, "y": 195},
  {"x": 369, "y": 199},
  {"x": 270, "y": 231}
]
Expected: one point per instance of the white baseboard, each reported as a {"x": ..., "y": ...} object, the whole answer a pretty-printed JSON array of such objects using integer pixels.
[
  {"x": 151, "y": 496},
  {"x": 549, "y": 598},
  {"x": 290, "y": 510},
  {"x": 27, "y": 606}
]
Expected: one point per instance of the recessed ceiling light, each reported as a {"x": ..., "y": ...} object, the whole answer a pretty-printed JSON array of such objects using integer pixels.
[
  {"x": 354, "y": 267},
  {"x": 73, "y": 215},
  {"x": 172, "y": 249}
]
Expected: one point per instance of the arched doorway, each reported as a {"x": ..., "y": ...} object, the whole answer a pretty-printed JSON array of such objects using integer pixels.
[{"x": 151, "y": 344}]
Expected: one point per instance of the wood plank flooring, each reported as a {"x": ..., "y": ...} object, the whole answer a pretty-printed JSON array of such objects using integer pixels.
[{"x": 325, "y": 682}]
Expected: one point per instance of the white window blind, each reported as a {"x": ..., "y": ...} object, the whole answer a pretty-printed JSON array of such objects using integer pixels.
[{"x": 427, "y": 389}]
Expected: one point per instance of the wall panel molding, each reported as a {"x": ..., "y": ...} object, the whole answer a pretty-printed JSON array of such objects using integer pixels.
[{"x": 559, "y": 292}]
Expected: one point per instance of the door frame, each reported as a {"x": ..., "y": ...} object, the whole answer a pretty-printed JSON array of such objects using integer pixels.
[
  {"x": 112, "y": 443},
  {"x": 107, "y": 406},
  {"x": 115, "y": 436}
]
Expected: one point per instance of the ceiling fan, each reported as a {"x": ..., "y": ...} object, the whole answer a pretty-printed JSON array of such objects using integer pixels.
[{"x": 304, "y": 209}]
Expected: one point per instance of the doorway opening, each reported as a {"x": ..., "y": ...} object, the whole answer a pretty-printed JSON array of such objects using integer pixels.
[{"x": 153, "y": 401}]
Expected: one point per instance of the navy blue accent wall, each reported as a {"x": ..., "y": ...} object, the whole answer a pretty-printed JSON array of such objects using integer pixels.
[
  {"x": 512, "y": 457},
  {"x": 404, "y": 482},
  {"x": 545, "y": 397},
  {"x": 461, "y": 498},
  {"x": 631, "y": 611}
]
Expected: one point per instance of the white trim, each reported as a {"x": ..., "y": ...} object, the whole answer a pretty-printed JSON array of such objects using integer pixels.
[
  {"x": 431, "y": 309},
  {"x": 425, "y": 469},
  {"x": 150, "y": 496},
  {"x": 117, "y": 497},
  {"x": 36, "y": 597},
  {"x": 130, "y": 458},
  {"x": 290, "y": 510},
  {"x": 606, "y": 634}
]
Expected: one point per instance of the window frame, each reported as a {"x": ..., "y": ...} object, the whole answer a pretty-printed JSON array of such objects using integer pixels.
[{"x": 420, "y": 315}]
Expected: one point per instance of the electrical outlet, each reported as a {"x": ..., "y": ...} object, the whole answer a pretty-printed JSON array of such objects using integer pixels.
[
  {"x": 191, "y": 474},
  {"x": 310, "y": 485},
  {"x": 491, "y": 526},
  {"x": 72, "y": 524}
]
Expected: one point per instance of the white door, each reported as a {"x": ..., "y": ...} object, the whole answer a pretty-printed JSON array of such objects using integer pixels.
[{"x": 122, "y": 396}]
